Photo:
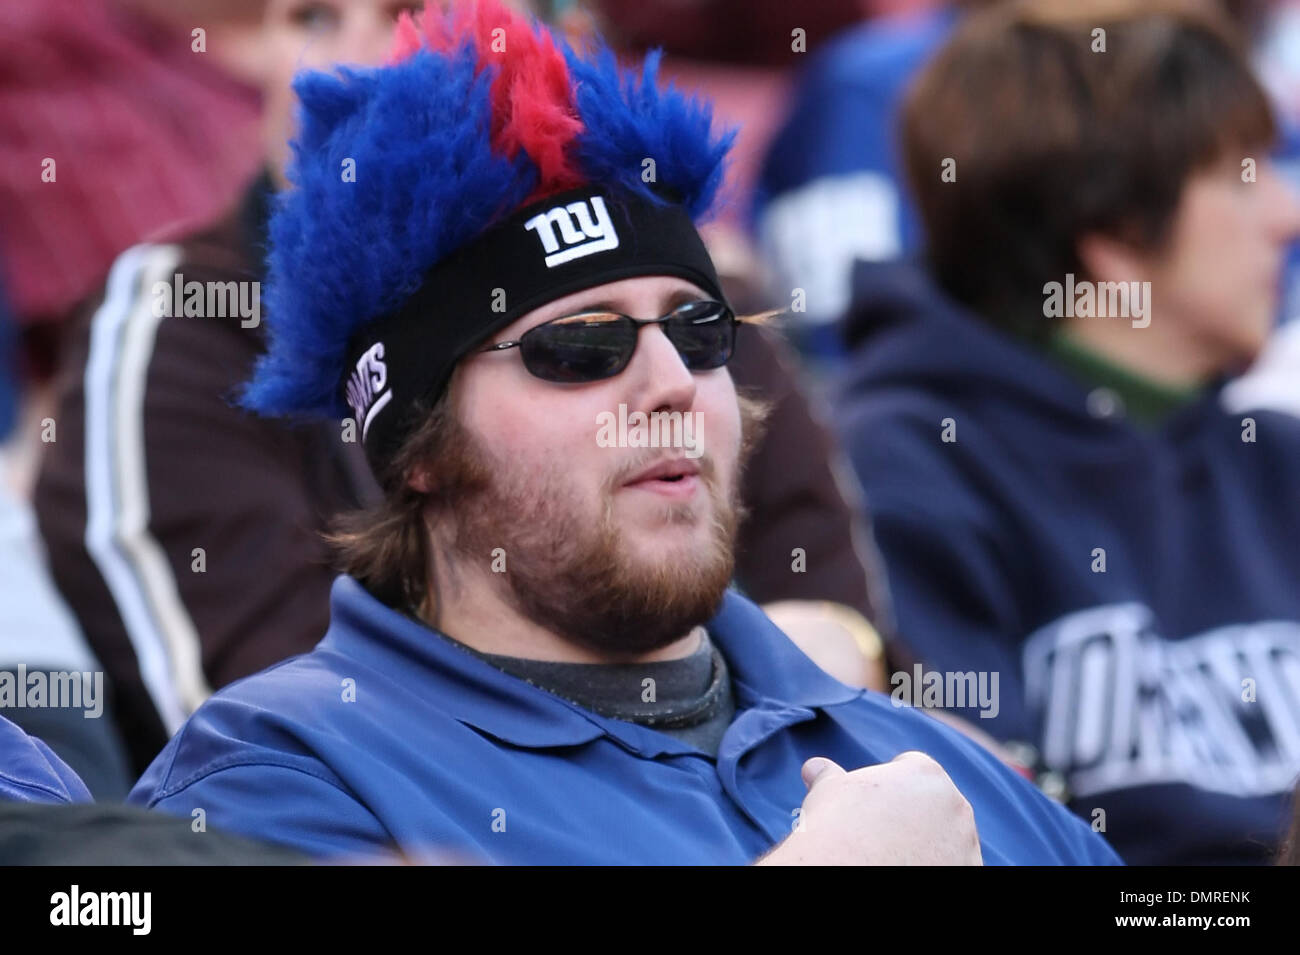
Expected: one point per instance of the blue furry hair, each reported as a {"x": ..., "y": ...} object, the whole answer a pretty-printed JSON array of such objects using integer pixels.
[{"x": 423, "y": 136}]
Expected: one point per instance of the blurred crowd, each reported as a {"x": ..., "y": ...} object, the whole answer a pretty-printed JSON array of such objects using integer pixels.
[{"x": 1104, "y": 512}]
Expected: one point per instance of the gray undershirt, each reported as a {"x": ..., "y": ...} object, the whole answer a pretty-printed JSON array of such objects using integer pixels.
[{"x": 691, "y": 697}]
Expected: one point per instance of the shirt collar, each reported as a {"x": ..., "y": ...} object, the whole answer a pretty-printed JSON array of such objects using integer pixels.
[{"x": 767, "y": 670}]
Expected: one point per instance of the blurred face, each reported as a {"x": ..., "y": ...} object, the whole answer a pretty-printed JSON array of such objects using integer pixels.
[
  {"x": 1220, "y": 272},
  {"x": 613, "y": 546},
  {"x": 316, "y": 34}
]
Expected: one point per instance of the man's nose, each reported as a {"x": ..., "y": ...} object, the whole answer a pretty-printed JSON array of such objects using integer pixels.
[{"x": 659, "y": 379}]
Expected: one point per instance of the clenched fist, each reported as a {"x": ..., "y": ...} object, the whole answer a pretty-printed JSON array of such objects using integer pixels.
[{"x": 904, "y": 812}]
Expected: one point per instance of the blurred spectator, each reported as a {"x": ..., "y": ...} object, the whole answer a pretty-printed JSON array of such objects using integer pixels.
[
  {"x": 113, "y": 125},
  {"x": 184, "y": 533},
  {"x": 1059, "y": 497},
  {"x": 830, "y": 189},
  {"x": 41, "y": 648}
]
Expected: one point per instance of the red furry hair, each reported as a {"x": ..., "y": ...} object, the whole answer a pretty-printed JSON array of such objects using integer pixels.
[{"x": 532, "y": 96}]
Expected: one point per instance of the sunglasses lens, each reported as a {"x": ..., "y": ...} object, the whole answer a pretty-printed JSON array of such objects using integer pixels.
[
  {"x": 704, "y": 334},
  {"x": 580, "y": 348},
  {"x": 596, "y": 345}
]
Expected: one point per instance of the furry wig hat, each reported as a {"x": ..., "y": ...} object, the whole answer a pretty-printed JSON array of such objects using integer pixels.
[{"x": 416, "y": 185}]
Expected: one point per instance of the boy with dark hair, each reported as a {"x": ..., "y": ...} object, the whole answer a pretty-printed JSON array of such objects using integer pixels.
[{"x": 1058, "y": 494}]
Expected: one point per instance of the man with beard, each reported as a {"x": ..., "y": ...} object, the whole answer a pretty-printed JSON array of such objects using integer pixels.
[
  {"x": 185, "y": 533},
  {"x": 533, "y": 655}
]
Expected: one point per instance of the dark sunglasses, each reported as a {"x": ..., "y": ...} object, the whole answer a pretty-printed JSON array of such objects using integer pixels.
[{"x": 590, "y": 346}]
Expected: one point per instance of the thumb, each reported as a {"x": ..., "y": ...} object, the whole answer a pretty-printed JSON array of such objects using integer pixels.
[{"x": 819, "y": 767}]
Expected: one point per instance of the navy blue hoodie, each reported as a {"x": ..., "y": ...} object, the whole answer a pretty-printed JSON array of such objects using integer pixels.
[{"x": 1136, "y": 590}]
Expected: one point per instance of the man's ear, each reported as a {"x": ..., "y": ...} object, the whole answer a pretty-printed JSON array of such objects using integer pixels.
[{"x": 1107, "y": 259}]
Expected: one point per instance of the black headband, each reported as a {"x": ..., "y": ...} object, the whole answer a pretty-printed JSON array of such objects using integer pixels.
[{"x": 563, "y": 244}]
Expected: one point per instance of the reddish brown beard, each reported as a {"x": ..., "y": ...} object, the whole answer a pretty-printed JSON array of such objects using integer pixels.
[{"x": 571, "y": 573}]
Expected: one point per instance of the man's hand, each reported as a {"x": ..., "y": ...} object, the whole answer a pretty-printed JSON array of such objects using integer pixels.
[{"x": 904, "y": 812}]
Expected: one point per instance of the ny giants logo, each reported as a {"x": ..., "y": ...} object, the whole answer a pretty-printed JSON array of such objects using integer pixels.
[{"x": 588, "y": 236}]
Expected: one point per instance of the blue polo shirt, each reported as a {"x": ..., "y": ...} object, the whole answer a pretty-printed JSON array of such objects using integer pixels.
[{"x": 389, "y": 733}]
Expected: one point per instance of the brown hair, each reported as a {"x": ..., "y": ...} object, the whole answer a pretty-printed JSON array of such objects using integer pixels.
[
  {"x": 1053, "y": 140},
  {"x": 385, "y": 546}
]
